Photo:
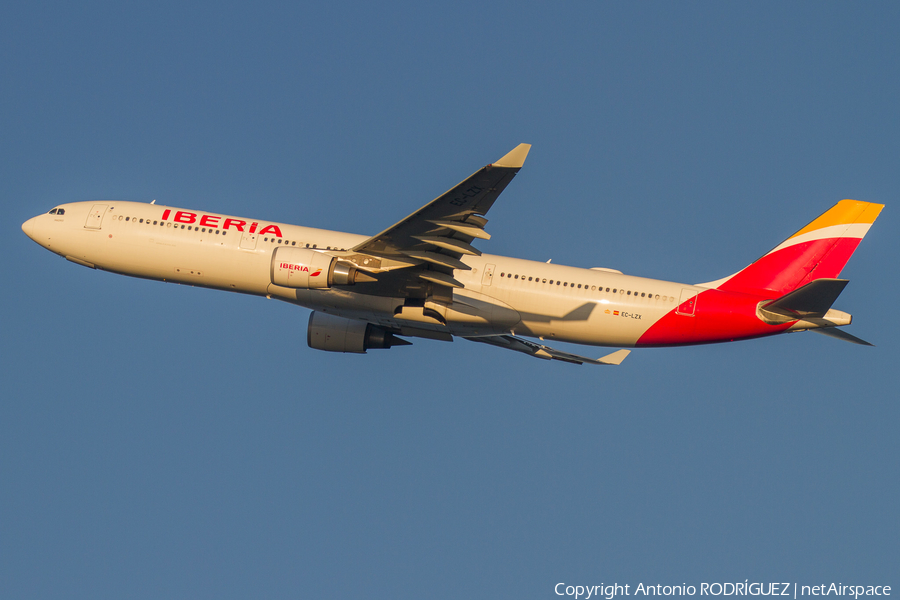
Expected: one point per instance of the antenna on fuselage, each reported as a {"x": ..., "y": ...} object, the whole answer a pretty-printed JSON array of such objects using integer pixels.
[{"x": 153, "y": 201}]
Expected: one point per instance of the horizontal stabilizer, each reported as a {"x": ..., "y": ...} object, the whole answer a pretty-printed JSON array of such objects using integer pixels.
[
  {"x": 841, "y": 335},
  {"x": 511, "y": 342},
  {"x": 811, "y": 300}
]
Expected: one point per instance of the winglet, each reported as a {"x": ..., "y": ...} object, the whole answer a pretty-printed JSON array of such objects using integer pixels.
[
  {"x": 615, "y": 358},
  {"x": 515, "y": 158}
]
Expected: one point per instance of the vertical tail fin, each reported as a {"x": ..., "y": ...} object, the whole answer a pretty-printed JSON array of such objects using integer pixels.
[{"x": 819, "y": 250}]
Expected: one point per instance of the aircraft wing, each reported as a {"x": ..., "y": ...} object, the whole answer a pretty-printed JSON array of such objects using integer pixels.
[
  {"x": 511, "y": 342},
  {"x": 435, "y": 237}
]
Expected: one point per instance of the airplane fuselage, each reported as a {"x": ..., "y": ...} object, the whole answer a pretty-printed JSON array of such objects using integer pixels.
[{"x": 499, "y": 294}]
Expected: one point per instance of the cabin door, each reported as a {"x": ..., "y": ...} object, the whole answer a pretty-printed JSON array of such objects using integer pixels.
[
  {"x": 95, "y": 217},
  {"x": 248, "y": 240},
  {"x": 488, "y": 274},
  {"x": 687, "y": 304}
]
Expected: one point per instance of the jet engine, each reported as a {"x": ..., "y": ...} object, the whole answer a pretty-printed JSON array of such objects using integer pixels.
[
  {"x": 307, "y": 269},
  {"x": 337, "y": 334}
]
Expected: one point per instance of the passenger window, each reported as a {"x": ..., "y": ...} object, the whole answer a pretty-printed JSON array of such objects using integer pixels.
[
  {"x": 516, "y": 277},
  {"x": 529, "y": 279},
  {"x": 167, "y": 224},
  {"x": 293, "y": 243},
  {"x": 545, "y": 281},
  {"x": 154, "y": 222},
  {"x": 565, "y": 284},
  {"x": 127, "y": 218},
  {"x": 142, "y": 221}
]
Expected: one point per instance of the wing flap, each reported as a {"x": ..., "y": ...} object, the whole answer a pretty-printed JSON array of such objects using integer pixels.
[
  {"x": 439, "y": 259},
  {"x": 440, "y": 278},
  {"x": 471, "y": 230}
]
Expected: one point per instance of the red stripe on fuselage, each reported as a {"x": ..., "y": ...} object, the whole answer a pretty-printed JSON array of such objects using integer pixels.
[
  {"x": 787, "y": 269},
  {"x": 718, "y": 317},
  {"x": 729, "y": 312}
]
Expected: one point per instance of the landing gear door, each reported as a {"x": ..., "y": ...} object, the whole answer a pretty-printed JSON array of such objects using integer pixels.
[
  {"x": 248, "y": 241},
  {"x": 488, "y": 274},
  {"x": 95, "y": 217}
]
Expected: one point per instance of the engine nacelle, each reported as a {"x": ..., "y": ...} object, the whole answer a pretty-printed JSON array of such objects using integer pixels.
[
  {"x": 337, "y": 334},
  {"x": 302, "y": 268}
]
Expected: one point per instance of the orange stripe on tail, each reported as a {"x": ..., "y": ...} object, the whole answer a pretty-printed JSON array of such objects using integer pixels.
[{"x": 844, "y": 212}]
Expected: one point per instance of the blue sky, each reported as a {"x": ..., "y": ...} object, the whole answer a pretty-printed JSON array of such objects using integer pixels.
[{"x": 163, "y": 441}]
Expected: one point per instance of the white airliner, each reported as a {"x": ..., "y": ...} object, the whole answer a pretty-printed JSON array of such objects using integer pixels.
[{"x": 422, "y": 277}]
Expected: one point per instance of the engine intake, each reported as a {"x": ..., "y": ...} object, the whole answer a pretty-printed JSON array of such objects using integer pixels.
[
  {"x": 302, "y": 268},
  {"x": 337, "y": 334}
]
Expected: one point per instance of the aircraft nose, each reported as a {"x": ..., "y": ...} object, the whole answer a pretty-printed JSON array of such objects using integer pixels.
[{"x": 28, "y": 227}]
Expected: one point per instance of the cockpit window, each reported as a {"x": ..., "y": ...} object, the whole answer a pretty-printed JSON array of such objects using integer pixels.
[
  {"x": 53, "y": 212},
  {"x": 61, "y": 211}
]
